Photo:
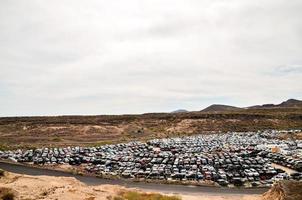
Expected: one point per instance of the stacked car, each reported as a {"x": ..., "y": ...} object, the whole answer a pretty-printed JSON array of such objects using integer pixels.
[{"x": 227, "y": 159}]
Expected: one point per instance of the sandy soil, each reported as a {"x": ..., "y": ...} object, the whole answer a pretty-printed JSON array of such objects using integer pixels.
[
  {"x": 54, "y": 188},
  {"x": 286, "y": 169},
  {"x": 65, "y": 188}
]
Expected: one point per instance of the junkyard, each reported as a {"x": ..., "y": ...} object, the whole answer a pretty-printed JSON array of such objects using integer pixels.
[
  {"x": 151, "y": 100},
  {"x": 245, "y": 159}
]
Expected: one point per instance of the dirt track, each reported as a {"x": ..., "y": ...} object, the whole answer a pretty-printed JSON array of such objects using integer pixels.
[{"x": 179, "y": 189}]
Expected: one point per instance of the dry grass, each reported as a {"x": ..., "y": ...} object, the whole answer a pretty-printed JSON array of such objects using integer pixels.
[{"x": 132, "y": 195}]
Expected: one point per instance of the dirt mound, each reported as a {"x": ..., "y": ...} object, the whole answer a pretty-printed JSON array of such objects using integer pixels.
[
  {"x": 284, "y": 190},
  {"x": 51, "y": 188}
]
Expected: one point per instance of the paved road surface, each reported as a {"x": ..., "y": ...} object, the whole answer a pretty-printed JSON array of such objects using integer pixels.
[{"x": 164, "y": 188}]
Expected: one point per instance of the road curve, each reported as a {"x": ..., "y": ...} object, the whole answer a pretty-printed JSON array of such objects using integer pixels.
[{"x": 164, "y": 188}]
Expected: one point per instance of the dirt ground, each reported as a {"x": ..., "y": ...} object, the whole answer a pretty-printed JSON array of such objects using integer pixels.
[
  {"x": 54, "y": 188},
  {"x": 27, "y": 132},
  {"x": 65, "y": 188},
  {"x": 286, "y": 169}
]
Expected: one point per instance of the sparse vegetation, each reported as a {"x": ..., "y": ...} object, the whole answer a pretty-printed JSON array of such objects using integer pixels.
[
  {"x": 6, "y": 194},
  {"x": 31, "y": 132},
  {"x": 44, "y": 193},
  {"x": 1, "y": 172},
  {"x": 76, "y": 172},
  {"x": 132, "y": 195},
  {"x": 118, "y": 198},
  {"x": 4, "y": 147},
  {"x": 57, "y": 139}
]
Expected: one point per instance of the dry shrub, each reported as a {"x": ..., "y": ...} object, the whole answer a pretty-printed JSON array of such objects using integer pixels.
[
  {"x": 1, "y": 172},
  {"x": 44, "y": 193},
  {"x": 6, "y": 194},
  {"x": 90, "y": 198},
  {"x": 284, "y": 190},
  {"x": 132, "y": 195},
  {"x": 118, "y": 198}
]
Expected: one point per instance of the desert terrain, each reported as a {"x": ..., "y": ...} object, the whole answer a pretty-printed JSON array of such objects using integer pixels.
[
  {"x": 27, "y": 132},
  {"x": 25, "y": 187}
]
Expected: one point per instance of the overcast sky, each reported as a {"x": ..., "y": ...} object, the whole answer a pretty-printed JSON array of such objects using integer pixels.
[{"x": 135, "y": 56}]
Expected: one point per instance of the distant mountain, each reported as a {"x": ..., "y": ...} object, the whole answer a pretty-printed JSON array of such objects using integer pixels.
[
  {"x": 290, "y": 103},
  {"x": 219, "y": 107},
  {"x": 180, "y": 111}
]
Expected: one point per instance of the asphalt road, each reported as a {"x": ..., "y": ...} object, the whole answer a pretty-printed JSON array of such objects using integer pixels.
[{"x": 164, "y": 188}]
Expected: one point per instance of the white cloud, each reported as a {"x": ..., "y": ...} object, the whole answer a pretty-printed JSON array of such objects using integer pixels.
[{"x": 71, "y": 57}]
